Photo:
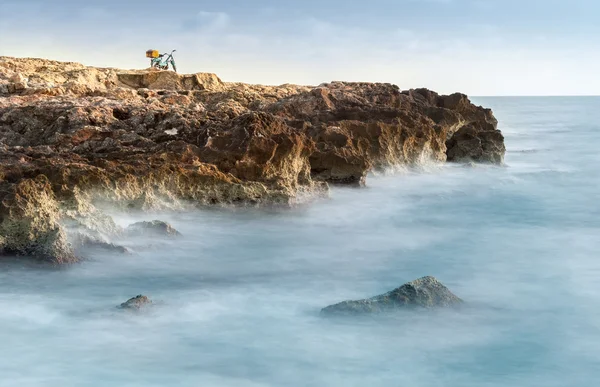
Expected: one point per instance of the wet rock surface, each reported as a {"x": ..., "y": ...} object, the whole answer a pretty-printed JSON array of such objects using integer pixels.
[
  {"x": 426, "y": 292},
  {"x": 154, "y": 228},
  {"x": 136, "y": 303},
  {"x": 74, "y": 137},
  {"x": 81, "y": 242}
]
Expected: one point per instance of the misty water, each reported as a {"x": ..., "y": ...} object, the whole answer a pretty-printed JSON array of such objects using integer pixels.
[{"x": 238, "y": 297}]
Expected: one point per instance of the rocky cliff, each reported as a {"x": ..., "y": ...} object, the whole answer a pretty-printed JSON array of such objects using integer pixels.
[{"x": 74, "y": 137}]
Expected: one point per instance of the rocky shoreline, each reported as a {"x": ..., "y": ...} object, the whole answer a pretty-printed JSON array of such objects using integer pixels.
[{"x": 74, "y": 138}]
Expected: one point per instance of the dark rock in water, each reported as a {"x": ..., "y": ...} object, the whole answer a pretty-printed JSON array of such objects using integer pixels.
[
  {"x": 426, "y": 292},
  {"x": 136, "y": 303},
  {"x": 153, "y": 228},
  {"x": 473, "y": 144}
]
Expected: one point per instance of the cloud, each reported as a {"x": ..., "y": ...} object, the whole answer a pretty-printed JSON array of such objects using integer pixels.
[{"x": 207, "y": 22}]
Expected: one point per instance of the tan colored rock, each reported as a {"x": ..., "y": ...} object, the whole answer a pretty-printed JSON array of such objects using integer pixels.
[
  {"x": 169, "y": 80},
  {"x": 19, "y": 82},
  {"x": 80, "y": 79},
  {"x": 29, "y": 222}
]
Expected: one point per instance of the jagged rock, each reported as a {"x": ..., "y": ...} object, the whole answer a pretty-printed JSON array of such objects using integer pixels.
[
  {"x": 156, "y": 139},
  {"x": 426, "y": 292},
  {"x": 153, "y": 228},
  {"x": 29, "y": 222},
  {"x": 19, "y": 82},
  {"x": 136, "y": 303},
  {"x": 472, "y": 144}
]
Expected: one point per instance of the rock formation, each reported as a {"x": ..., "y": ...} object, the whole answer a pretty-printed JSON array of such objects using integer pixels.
[
  {"x": 426, "y": 292},
  {"x": 74, "y": 137},
  {"x": 136, "y": 303},
  {"x": 81, "y": 241},
  {"x": 154, "y": 228}
]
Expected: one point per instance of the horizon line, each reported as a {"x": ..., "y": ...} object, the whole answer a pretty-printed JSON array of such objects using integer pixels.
[{"x": 534, "y": 96}]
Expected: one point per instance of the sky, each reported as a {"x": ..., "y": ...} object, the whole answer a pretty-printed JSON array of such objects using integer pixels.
[{"x": 479, "y": 47}]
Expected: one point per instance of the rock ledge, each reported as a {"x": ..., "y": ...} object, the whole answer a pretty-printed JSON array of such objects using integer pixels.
[{"x": 74, "y": 137}]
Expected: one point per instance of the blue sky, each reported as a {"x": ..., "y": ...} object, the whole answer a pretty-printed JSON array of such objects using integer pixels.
[{"x": 481, "y": 47}]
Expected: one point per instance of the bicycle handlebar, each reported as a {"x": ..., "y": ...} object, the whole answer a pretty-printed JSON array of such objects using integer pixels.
[{"x": 168, "y": 54}]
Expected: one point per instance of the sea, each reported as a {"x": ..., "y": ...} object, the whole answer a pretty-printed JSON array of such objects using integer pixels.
[{"x": 237, "y": 297}]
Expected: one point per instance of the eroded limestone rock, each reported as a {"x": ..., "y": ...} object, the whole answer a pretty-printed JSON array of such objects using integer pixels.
[
  {"x": 78, "y": 138},
  {"x": 30, "y": 222}
]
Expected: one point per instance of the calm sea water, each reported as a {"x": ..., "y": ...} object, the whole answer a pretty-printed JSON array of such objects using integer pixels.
[{"x": 238, "y": 297}]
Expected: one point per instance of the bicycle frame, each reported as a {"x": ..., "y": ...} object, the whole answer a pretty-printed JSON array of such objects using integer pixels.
[{"x": 163, "y": 61}]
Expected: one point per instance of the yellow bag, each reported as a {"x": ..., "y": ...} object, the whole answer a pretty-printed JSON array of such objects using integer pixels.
[{"x": 152, "y": 54}]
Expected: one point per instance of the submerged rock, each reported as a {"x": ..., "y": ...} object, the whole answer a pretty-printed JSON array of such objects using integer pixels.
[
  {"x": 136, "y": 303},
  {"x": 153, "y": 228},
  {"x": 426, "y": 292},
  {"x": 82, "y": 241}
]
